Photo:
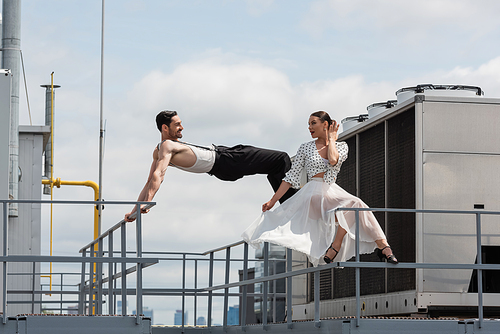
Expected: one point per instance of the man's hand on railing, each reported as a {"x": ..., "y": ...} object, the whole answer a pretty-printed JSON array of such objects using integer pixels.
[{"x": 131, "y": 216}]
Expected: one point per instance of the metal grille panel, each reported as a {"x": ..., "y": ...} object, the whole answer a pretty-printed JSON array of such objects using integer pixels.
[
  {"x": 372, "y": 192},
  {"x": 401, "y": 194}
]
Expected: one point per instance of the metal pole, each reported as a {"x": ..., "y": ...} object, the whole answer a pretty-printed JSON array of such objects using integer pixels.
[
  {"x": 11, "y": 43},
  {"x": 91, "y": 282},
  {"x": 124, "y": 267},
  {"x": 358, "y": 285},
  {"x": 289, "y": 289},
  {"x": 265, "y": 285},
  {"x": 275, "y": 285},
  {"x": 4, "y": 253},
  {"x": 61, "y": 296},
  {"x": 99, "y": 277},
  {"x": 195, "y": 288},
  {"x": 317, "y": 322},
  {"x": 111, "y": 296},
  {"x": 183, "y": 290},
  {"x": 81, "y": 303},
  {"x": 101, "y": 132},
  {"x": 33, "y": 289},
  {"x": 210, "y": 284},
  {"x": 226, "y": 290},
  {"x": 138, "y": 232},
  {"x": 479, "y": 271},
  {"x": 243, "y": 321}
]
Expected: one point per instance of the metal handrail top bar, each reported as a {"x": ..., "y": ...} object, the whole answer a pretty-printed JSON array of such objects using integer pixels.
[
  {"x": 72, "y": 202},
  {"x": 114, "y": 227},
  {"x": 476, "y": 211},
  {"x": 224, "y": 247},
  {"x": 76, "y": 259},
  {"x": 192, "y": 254},
  {"x": 353, "y": 264},
  {"x": 43, "y": 273}
]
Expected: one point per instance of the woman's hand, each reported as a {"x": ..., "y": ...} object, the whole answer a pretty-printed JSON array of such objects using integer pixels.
[
  {"x": 268, "y": 205},
  {"x": 332, "y": 131}
]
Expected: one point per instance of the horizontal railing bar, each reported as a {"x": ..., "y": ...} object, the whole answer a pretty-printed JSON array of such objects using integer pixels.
[
  {"x": 128, "y": 271},
  {"x": 207, "y": 259},
  {"x": 33, "y": 201},
  {"x": 219, "y": 260},
  {"x": 43, "y": 292},
  {"x": 470, "y": 212},
  {"x": 400, "y": 265},
  {"x": 41, "y": 273},
  {"x": 56, "y": 285},
  {"x": 224, "y": 247},
  {"x": 149, "y": 292},
  {"x": 75, "y": 259},
  {"x": 111, "y": 229},
  {"x": 43, "y": 302}
]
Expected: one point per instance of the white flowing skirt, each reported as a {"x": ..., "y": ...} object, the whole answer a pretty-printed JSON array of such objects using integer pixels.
[{"x": 305, "y": 223}]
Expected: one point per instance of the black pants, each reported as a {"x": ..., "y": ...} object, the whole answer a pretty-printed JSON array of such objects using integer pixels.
[{"x": 232, "y": 163}]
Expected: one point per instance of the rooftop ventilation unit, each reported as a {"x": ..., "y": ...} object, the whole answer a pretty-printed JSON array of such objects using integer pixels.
[
  {"x": 380, "y": 107},
  {"x": 438, "y": 90}
]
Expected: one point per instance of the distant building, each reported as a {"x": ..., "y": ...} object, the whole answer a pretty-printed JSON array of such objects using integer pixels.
[
  {"x": 201, "y": 321},
  {"x": 178, "y": 318},
  {"x": 146, "y": 312},
  {"x": 119, "y": 307},
  {"x": 233, "y": 315},
  {"x": 73, "y": 309}
]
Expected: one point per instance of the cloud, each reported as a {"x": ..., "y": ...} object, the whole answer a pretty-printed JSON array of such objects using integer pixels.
[
  {"x": 400, "y": 17},
  {"x": 258, "y": 7}
]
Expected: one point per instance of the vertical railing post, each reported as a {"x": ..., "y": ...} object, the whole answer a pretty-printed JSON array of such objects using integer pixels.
[
  {"x": 183, "y": 290},
  {"x": 123, "y": 254},
  {"x": 81, "y": 302},
  {"x": 4, "y": 253},
  {"x": 317, "y": 322},
  {"x": 479, "y": 270},
  {"x": 226, "y": 290},
  {"x": 91, "y": 281},
  {"x": 289, "y": 289},
  {"x": 265, "y": 285},
  {"x": 195, "y": 292},
  {"x": 99, "y": 277},
  {"x": 111, "y": 296},
  {"x": 358, "y": 279},
  {"x": 33, "y": 289},
  {"x": 61, "y": 296},
  {"x": 275, "y": 284},
  {"x": 210, "y": 284},
  {"x": 138, "y": 245},
  {"x": 243, "y": 307}
]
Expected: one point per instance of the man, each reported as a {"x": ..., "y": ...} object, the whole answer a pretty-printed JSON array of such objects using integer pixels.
[{"x": 225, "y": 163}]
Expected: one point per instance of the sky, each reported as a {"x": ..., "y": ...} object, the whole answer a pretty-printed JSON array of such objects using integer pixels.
[{"x": 238, "y": 72}]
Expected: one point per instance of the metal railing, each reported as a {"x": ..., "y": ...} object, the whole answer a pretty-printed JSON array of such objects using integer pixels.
[
  {"x": 92, "y": 286},
  {"x": 357, "y": 264}
]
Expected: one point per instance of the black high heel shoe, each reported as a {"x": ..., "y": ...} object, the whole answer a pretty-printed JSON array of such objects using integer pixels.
[
  {"x": 390, "y": 258},
  {"x": 327, "y": 259}
]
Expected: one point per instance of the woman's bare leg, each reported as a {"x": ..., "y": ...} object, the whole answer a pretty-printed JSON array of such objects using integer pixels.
[
  {"x": 337, "y": 242},
  {"x": 382, "y": 243}
]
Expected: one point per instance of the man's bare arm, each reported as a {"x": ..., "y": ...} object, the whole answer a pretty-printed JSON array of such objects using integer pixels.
[{"x": 161, "y": 160}]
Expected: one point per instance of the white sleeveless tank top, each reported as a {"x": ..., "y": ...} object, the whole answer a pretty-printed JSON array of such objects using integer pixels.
[{"x": 205, "y": 159}]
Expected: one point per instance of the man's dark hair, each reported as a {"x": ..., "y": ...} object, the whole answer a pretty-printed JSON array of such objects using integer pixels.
[{"x": 164, "y": 117}]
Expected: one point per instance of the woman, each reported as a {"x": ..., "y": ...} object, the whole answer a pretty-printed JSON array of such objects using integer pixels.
[{"x": 306, "y": 222}]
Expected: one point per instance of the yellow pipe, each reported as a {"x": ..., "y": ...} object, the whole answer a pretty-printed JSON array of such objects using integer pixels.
[{"x": 58, "y": 182}]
